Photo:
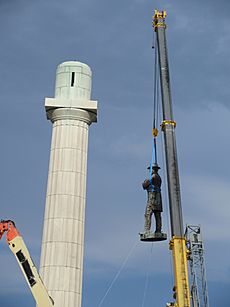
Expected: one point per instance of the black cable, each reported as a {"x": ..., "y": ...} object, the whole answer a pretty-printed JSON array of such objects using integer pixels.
[
  {"x": 155, "y": 101},
  {"x": 155, "y": 85}
]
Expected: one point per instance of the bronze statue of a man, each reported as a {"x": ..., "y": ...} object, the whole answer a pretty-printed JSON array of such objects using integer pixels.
[{"x": 154, "y": 201}]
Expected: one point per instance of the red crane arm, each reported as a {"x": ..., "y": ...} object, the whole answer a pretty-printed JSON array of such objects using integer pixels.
[{"x": 9, "y": 227}]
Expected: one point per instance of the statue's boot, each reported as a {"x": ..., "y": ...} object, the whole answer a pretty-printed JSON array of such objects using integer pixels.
[{"x": 158, "y": 222}]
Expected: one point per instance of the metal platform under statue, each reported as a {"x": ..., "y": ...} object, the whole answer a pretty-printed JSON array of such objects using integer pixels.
[{"x": 152, "y": 236}]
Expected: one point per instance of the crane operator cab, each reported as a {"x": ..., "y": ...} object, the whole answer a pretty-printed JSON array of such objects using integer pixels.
[{"x": 153, "y": 206}]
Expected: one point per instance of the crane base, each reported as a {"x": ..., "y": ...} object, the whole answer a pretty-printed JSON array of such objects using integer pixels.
[{"x": 152, "y": 236}]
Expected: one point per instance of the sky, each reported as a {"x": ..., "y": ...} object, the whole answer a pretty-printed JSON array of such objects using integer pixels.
[{"x": 114, "y": 38}]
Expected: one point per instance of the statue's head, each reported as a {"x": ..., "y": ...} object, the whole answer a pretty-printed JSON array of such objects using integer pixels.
[{"x": 155, "y": 168}]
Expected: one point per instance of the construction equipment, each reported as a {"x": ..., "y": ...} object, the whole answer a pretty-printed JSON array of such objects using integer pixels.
[
  {"x": 178, "y": 241},
  {"x": 199, "y": 286},
  {"x": 21, "y": 253}
]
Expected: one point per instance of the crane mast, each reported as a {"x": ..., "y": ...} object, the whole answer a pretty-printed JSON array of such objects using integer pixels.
[
  {"x": 199, "y": 286},
  {"x": 178, "y": 241}
]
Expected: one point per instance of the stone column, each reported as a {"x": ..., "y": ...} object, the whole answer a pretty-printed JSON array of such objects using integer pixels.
[{"x": 71, "y": 112}]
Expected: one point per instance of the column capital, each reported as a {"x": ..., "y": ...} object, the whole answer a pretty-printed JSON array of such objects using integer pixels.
[
  {"x": 68, "y": 113},
  {"x": 59, "y": 108}
]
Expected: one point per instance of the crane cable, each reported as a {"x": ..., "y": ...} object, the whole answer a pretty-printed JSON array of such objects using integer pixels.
[
  {"x": 118, "y": 272},
  {"x": 165, "y": 193},
  {"x": 147, "y": 278},
  {"x": 155, "y": 106},
  {"x": 158, "y": 110}
]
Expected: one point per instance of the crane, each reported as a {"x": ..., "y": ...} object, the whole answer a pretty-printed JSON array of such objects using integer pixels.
[
  {"x": 178, "y": 240},
  {"x": 199, "y": 286},
  {"x": 21, "y": 253}
]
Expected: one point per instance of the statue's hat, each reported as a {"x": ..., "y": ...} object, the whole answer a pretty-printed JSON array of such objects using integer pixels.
[{"x": 154, "y": 166}]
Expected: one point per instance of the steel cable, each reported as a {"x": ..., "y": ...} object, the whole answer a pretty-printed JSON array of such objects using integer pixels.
[
  {"x": 155, "y": 106},
  {"x": 147, "y": 278},
  {"x": 118, "y": 273}
]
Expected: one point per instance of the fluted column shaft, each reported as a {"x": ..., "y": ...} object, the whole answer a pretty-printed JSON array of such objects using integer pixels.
[{"x": 63, "y": 236}]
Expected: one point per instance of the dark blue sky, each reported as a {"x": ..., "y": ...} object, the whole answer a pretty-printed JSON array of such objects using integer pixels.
[{"x": 114, "y": 38}]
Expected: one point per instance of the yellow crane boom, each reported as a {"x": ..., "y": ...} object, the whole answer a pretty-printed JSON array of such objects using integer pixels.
[{"x": 178, "y": 241}]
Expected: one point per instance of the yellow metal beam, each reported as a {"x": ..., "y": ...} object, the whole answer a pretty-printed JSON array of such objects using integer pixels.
[{"x": 181, "y": 288}]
